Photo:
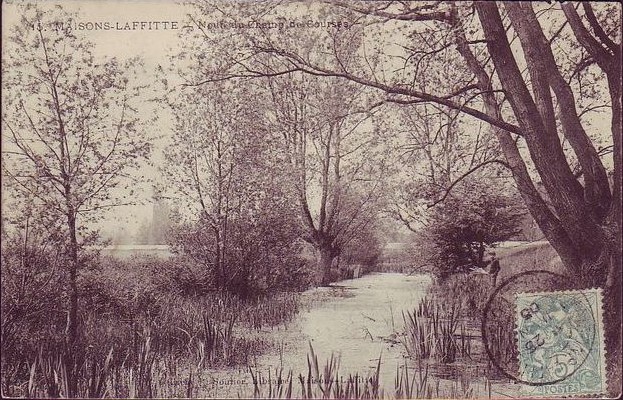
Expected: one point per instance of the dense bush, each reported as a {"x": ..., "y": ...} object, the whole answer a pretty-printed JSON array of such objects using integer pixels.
[
  {"x": 472, "y": 218},
  {"x": 364, "y": 249},
  {"x": 258, "y": 256}
]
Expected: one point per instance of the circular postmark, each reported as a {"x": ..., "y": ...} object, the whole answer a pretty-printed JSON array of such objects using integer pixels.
[{"x": 543, "y": 336}]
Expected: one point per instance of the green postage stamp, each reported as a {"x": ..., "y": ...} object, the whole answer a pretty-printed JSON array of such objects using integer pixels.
[{"x": 561, "y": 343}]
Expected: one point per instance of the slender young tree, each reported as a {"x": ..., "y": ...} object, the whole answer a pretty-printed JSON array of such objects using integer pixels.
[{"x": 69, "y": 130}]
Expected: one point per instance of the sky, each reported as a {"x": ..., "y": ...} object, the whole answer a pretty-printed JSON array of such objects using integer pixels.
[{"x": 124, "y": 29}]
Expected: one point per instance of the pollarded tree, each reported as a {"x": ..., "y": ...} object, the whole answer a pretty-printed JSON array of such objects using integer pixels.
[
  {"x": 325, "y": 126},
  {"x": 335, "y": 150},
  {"x": 69, "y": 130}
]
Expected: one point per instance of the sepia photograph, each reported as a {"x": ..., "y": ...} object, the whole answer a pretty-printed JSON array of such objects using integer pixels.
[{"x": 322, "y": 199}]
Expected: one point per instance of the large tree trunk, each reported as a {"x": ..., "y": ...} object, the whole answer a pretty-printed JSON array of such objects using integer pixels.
[
  {"x": 72, "y": 320},
  {"x": 587, "y": 232},
  {"x": 565, "y": 192},
  {"x": 325, "y": 262},
  {"x": 547, "y": 221}
]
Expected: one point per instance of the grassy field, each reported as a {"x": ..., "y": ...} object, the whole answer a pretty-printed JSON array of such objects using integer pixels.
[{"x": 535, "y": 256}]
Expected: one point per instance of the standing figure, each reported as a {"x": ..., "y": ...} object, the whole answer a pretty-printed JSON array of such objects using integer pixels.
[{"x": 494, "y": 267}]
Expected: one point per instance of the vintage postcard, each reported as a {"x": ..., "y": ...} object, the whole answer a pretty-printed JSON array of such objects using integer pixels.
[{"x": 311, "y": 199}]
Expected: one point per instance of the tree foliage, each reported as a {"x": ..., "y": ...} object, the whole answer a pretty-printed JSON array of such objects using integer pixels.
[
  {"x": 69, "y": 132},
  {"x": 475, "y": 217},
  {"x": 223, "y": 162}
]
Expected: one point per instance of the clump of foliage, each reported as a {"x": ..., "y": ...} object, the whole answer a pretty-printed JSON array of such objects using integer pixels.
[
  {"x": 474, "y": 217},
  {"x": 261, "y": 256},
  {"x": 364, "y": 249}
]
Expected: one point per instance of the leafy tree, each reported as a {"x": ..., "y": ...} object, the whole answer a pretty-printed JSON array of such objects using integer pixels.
[
  {"x": 69, "y": 130},
  {"x": 331, "y": 141},
  {"x": 583, "y": 225},
  {"x": 438, "y": 148},
  {"x": 224, "y": 163},
  {"x": 473, "y": 218},
  {"x": 365, "y": 248}
]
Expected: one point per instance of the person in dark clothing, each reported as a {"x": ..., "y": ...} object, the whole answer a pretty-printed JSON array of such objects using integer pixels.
[{"x": 494, "y": 267}]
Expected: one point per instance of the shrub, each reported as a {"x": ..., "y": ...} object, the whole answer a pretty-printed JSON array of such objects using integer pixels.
[
  {"x": 260, "y": 256},
  {"x": 473, "y": 217},
  {"x": 33, "y": 303}
]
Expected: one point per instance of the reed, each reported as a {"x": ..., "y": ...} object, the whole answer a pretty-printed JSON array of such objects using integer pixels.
[
  {"x": 417, "y": 386},
  {"x": 272, "y": 312},
  {"x": 503, "y": 345},
  {"x": 431, "y": 332},
  {"x": 324, "y": 381},
  {"x": 49, "y": 375},
  {"x": 146, "y": 355},
  {"x": 319, "y": 382}
]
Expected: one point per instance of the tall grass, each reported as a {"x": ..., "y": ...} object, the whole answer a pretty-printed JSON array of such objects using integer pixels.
[
  {"x": 276, "y": 311},
  {"x": 146, "y": 355},
  {"x": 279, "y": 388},
  {"x": 49, "y": 376},
  {"x": 441, "y": 329}
]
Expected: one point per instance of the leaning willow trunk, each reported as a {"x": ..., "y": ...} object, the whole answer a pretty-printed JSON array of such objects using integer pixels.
[{"x": 584, "y": 227}]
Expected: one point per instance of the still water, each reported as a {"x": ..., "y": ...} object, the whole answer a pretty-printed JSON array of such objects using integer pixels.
[{"x": 357, "y": 320}]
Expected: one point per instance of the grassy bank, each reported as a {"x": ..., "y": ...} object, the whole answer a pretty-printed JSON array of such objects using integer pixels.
[{"x": 149, "y": 328}]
